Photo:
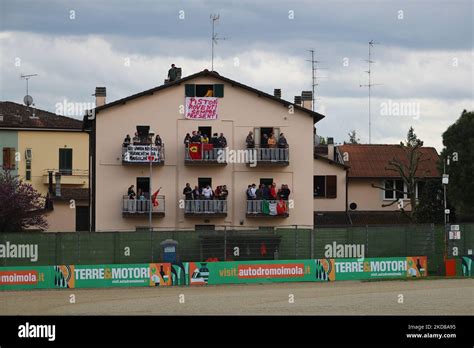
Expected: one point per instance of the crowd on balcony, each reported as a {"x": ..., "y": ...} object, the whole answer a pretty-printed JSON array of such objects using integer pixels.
[
  {"x": 217, "y": 140},
  {"x": 143, "y": 140},
  {"x": 205, "y": 193},
  {"x": 267, "y": 141},
  {"x": 268, "y": 192}
]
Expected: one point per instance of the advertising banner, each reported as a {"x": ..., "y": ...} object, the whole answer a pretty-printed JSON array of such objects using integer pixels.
[
  {"x": 141, "y": 153},
  {"x": 39, "y": 277},
  {"x": 104, "y": 276},
  {"x": 201, "y": 108},
  {"x": 378, "y": 268},
  {"x": 204, "y": 273}
]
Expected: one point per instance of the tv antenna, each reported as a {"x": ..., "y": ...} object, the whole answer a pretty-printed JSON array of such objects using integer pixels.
[
  {"x": 214, "y": 38},
  {"x": 28, "y": 99},
  {"x": 369, "y": 86},
  {"x": 314, "y": 77}
]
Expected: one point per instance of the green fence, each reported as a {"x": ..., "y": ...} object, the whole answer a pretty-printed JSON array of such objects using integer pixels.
[{"x": 288, "y": 243}]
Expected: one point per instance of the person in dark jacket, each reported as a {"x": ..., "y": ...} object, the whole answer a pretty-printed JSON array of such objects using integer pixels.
[
  {"x": 250, "y": 141},
  {"x": 265, "y": 192},
  {"x": 188, "y": 192},
  {"x": 196, "y": 193},
  {"x": 222, "y": 141},
  {"x": 131, "y": 192},
  {"x": 282, "y": 143}
]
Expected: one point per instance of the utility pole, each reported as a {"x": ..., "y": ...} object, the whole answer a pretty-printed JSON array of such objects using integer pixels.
[
  {"x": 214, "y": 38},
  {"x": 370, "y": 61}
]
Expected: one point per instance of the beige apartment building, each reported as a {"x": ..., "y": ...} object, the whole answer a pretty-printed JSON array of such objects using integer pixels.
[{"x": 209, "y": 103}]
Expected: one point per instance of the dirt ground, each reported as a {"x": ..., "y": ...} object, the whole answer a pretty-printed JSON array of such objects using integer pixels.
[{"x": 422, "y": 297}]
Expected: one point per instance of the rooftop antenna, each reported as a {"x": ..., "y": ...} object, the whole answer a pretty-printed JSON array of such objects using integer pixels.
[
  {"x": 370, "y": 61},
  {"x": 314, "y": 78},
  {"x": 214, "y": 38},
  {"x": 28, "y": 99}
]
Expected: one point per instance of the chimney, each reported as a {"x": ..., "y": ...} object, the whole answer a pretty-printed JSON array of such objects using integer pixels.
[
  {"x": 331, "y": 148},
  {"x": 297, "y": 100},
  {"x": 57, "y": 176},
  {"x": 277, "y": 93},
  {"x": 307, "y": 99},
  {"x": 100, "y": 94}
]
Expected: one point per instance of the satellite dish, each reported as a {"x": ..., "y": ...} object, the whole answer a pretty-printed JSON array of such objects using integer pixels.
[{"x": 28, "y": 100}]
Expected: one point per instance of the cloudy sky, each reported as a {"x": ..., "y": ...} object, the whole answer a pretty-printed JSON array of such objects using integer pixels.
[{"x": 423, "y": 64}]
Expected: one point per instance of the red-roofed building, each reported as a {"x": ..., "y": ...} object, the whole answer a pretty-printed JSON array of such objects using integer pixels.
[{"x": 365, "y": 166}]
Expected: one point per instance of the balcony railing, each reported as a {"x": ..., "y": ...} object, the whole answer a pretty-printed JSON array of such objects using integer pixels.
[
  {"x": 204, "y": 154},
  {"x": 205, "y": 207},
  {"x": 139, "y": 154},
  {"x": 68, "y": 176},
  {"x": 267, "y": 208},
  {"x": 264, "y": 156},
  {"x": 141, "y": 207}
]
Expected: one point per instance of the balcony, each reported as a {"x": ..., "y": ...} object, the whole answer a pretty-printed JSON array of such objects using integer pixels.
[
  {"x": 139, "y": 207},
  {"x": 68, "y": 176},
  {"x": 139, "y": 154},
  {"x": 205, "y": 208},
  {"x": 267, "y": 209},
  {"x": 268, "y": 157},
  {"x": 204, "y": 154}
]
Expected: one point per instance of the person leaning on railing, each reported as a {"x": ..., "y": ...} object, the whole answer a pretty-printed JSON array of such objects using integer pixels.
[
  {"x": 250, "y": 141},
  {"x": 282, "y": 143},
  {"x": 272, "y": 142},
  {"x": 127, "y": 141}
]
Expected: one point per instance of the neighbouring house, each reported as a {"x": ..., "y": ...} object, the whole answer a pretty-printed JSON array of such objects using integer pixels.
[
  {"x": 210, "y": 103},
  {"x": 367, "y": 166},
  {"x": 50, "y": 152}
]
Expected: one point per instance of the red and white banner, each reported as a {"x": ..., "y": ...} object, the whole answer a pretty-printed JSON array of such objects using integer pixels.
[{"x": 201, "y": 108}]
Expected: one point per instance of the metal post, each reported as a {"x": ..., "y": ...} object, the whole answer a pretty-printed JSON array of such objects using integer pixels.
[
  {"x": 296, "y": 241},
  {"x": 225, "y": 243},
  {"x": 150, "y": 203},
  {"x": 312, "y": 243}
]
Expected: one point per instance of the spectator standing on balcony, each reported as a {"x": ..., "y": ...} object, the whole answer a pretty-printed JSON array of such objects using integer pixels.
[
  {"x": 249, "y": 193},
  {"x": 196, "y": 193},
  {"x": 188, "y": 192},
  {"x": 265, "y": 192},
  {"x": 158, "y": 141},
  {"x": 259, "y": 192},
  {"x": 284, "y": 192},
  {"x": 131, "y": 192},
  {"x": 187, "y": 139},
  {"x": 273, "y": 192},
  {"x": 136, "y": 139},
  {"x": 205, "y": 139},
  {"x": 207, "y": 192},
  {"x": 264, "y": 142},
  {"x": 253, "y": 191},
  {"x": 127, "y": 141},
  {"x": 196, "y": 138},
  {"x": 282, "y": 143},
  {"x": 250, "y": 141},
  {"x": 272, "y": 142},
  {"x": 218, "y": 192},
  {"x": 222, "y": 141},
  {"x": 224, "y": 192},
  {"x": 215, "y": 140}
]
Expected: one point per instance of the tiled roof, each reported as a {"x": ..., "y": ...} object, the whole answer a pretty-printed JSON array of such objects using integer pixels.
[
  {"x": 18, "y": 116},
  {"x": 316, "y": 116},
  {"x": 372, "y": 161}
]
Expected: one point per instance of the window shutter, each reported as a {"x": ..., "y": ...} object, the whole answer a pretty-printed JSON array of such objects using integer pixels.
[
  {"x": 190, "y": 90},
  {"x": 219, "y": 90},
  {"x": 12, "y": 158},
  {"x": 6, "y": 158},
  {"x": 331, "y": 186}
]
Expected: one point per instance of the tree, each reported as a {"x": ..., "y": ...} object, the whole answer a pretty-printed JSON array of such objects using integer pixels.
[
  {"x": 353, "y": 139},
  {"x": 458, "y": 141},
  {"x": 430, "y": 207},
  {"x": 21, "y": 206},
  {"x": 406, "y": 168}
]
